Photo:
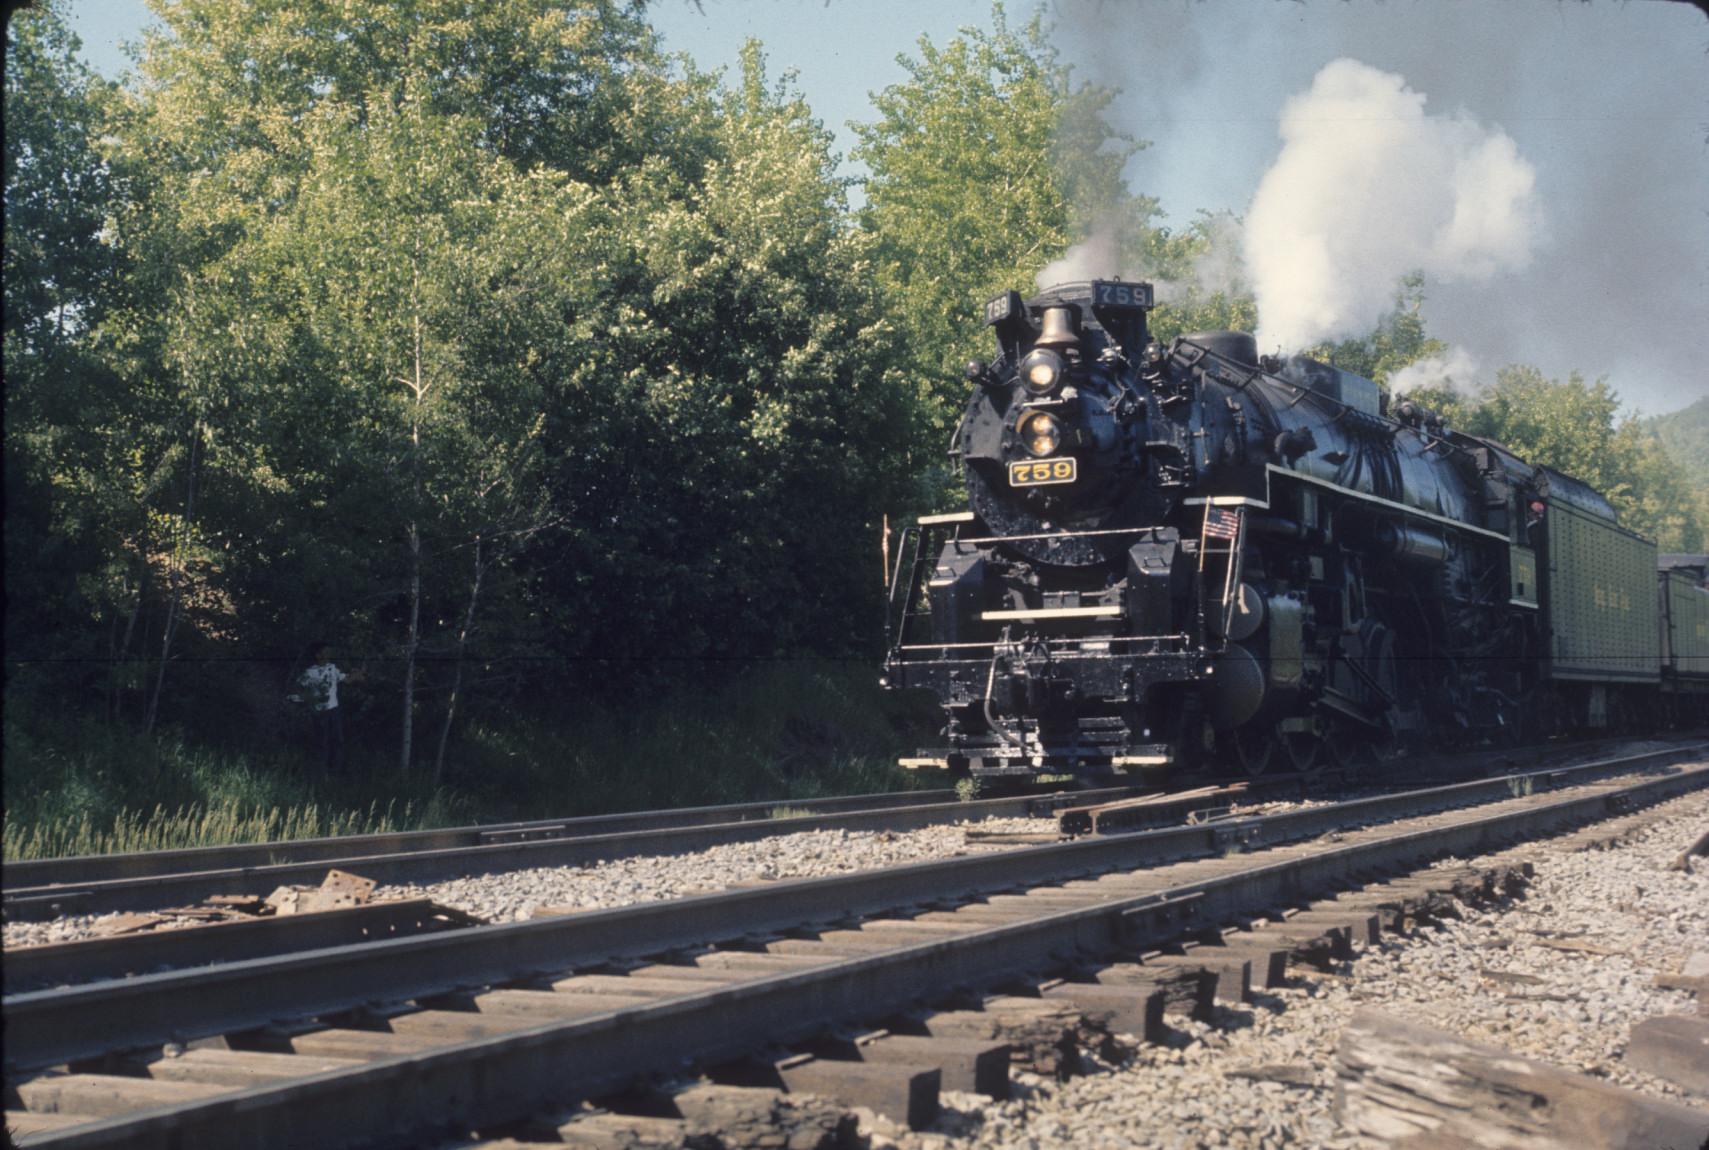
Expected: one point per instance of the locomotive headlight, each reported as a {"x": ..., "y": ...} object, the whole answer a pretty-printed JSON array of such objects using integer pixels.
[
  {"x": 1041, "y": 371},
  {"x": 1041, "y": 433}
]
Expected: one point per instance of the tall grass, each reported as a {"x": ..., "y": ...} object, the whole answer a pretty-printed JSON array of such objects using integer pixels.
[
  {"x": 230, "y": 821},
  {"x": 776, "y": 732},
  {"x": 89, "y": 788}
]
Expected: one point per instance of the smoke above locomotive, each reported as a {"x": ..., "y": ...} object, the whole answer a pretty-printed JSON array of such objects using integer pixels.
[{"x": 1174, "y": 553}]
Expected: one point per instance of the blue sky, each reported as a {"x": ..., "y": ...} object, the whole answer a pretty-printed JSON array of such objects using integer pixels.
[{"x": 1609, "y": 103}]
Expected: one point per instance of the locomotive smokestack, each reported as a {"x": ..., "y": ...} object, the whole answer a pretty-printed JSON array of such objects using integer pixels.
[{"x": 1061, "y": 327}]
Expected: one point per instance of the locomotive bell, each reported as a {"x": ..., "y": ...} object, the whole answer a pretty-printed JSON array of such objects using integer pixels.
[{"x": 1061, "y": 325}]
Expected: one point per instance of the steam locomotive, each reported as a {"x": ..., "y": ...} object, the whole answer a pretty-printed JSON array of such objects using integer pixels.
[{"x": 1175, "y": 554}]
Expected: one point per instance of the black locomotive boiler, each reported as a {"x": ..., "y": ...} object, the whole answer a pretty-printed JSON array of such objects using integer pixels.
[{"x": 1174, "y": 552}]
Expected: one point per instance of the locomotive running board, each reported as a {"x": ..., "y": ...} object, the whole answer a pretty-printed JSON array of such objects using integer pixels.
[{"x": 1271, "y": 470}]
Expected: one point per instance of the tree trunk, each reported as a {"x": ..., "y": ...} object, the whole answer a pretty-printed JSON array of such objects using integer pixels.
[
  {"x": 175, "y": 577},
  {"x": 457, "y": 672},
  {"x": 122, "y": 652},
  {"x": 410, "y": 646},
  {"x": 418, "y": 389}
]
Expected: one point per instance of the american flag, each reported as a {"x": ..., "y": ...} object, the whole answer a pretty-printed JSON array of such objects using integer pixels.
[{"x": 1221, "y": 524}]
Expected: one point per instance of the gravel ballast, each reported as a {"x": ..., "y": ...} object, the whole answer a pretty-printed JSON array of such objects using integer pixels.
[
  {"x": 1263, "y": 1075},
  {"x": 517, "y": 895},
  {"x": 626, "y": 881},
  {"x": 1559, "y": 975}
]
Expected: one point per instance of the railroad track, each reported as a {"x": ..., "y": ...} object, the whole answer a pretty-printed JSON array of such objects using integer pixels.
[
  {"x": 400, "y": 1041},
  {"x": 179, "y": 948},
  {"x": 168, "y": 944},
  {"x": 100, "y": 884}
]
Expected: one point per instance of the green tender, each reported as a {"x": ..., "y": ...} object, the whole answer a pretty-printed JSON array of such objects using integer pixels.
[
  {"x": 1602, "y": 610},
  {"x": 1685, "y": 614}
]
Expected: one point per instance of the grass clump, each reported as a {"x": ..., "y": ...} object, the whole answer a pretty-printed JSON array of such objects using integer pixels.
[
  {"x": 90, "y": 788},
  {"x": 229, "y": 821},
  {"x": 777, "y": 732}
]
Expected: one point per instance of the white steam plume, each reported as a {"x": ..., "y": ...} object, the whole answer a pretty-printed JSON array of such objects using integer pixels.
[
  {"x": 1216, "y": 267},
  {"x": 1094, "y": 257},
  {"x": 1456, "y": 370},
  {"x": 1368, "y": 188},
  {"x": 1220, "y": 266}
]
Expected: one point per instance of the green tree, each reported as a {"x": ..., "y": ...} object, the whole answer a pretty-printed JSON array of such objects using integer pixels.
[
  {"x": 1577, "y": 428},
  {"x": 1198, "y": 271},
  {"x": 58, "y": 195},
  {"x": 1399, "y": 338},
  {"x": 1665, "y": 503},
  {"x": 82, "y": 462},
  {"x": 344, "y": 223},
  {"x": 985, "y": 164},
  {"x": 740, "y": 425},
  {"x": 1684, "y": 439},
  {"x": 1569, "y": 425},
  {"x": 623, "y": 387}
]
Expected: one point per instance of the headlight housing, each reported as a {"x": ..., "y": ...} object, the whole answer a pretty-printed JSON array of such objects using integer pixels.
[
  {"x": 1040, "y": 432},
  {"x": 1042, "y": 371}
]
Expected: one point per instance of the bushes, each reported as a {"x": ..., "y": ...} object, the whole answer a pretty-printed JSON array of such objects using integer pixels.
[{"x": 773, "y": 730}]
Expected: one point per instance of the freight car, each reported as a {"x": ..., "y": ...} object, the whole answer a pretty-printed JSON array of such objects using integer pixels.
[{"x": 1187, "y": 551}]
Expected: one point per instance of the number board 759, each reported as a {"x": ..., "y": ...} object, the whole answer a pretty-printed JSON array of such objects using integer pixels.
[{"x": 1037, "y": 473}]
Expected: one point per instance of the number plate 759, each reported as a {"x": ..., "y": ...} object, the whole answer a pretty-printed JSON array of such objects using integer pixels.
[{"x": 1034, "y": 473}]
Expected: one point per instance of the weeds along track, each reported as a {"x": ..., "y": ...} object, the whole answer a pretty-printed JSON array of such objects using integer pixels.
[
  {"x": 103, "y": 868},
  {"x": 399, "y": 1041}
]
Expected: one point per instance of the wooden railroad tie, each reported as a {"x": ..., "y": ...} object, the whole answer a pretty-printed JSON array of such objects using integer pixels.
[
  {"x": 1407, "y": 1084},
  {"x": 1674, "y": 1047}
]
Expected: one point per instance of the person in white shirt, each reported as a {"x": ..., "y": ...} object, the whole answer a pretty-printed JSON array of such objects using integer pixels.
[{"x": 320, "y": 692}]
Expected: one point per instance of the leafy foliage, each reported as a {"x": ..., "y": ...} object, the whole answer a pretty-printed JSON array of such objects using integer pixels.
[
  {"x": 1685, "y": 435},
  {"x": 476, "y": 342},
  {"x": 1398, "y": 340},
  {"x": 65, "y": 436},
  {"x": 743, "y": 421},
  {"x": 1576, "y": 427},
  {"x": 1684, "y": 439},
  {"x": 985, "y": 165},
  {"x": 1200, "y": 288}
]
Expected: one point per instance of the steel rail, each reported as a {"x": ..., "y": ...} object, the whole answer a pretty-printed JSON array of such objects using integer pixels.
[
  {"x": 404, "y": 1099},
  {"x": 121, "y": 956},
  {"x": 45, "y": 1028},
  {"x": 143, "y": 864},
  {"x": 102, "y": 883},
  {"x": 151, "y": 892}
]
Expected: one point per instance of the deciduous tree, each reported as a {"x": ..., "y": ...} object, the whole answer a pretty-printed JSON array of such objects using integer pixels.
[
  {"x": 83, "y": 460},
  {"x": 985, "y": 164},
  {"x": 1578, "y": 428}
]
